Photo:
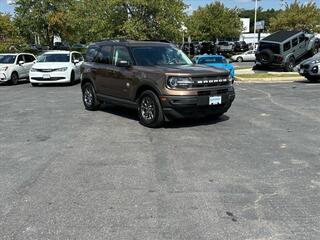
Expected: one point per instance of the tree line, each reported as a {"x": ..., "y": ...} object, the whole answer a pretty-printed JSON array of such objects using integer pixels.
[{"x": 84, "y": 21}]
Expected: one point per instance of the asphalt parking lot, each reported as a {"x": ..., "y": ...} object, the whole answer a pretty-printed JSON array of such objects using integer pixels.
[{"x": 67, "y": 173}]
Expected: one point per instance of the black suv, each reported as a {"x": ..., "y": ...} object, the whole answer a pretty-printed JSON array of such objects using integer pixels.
[
  {"x": 155, "y": 78},
  {"x": 284, "y": 48}
]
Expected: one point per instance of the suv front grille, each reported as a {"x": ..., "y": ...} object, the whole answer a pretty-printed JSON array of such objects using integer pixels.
[{"x": 209, "y": 81}]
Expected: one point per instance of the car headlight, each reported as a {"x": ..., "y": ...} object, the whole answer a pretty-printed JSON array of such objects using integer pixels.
[
  {"x": 179, "y": 82},
  {"x": 62, "y": 69},
  {"x": 315, "y": 61},
  {"x": 3, "y": 68}
]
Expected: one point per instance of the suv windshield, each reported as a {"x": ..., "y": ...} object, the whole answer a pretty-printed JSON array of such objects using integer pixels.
[
  {"x": 54, "y": 58},
  {"x": 274, "y": 47},
  {"x": 159, "y": 55},
  {"x": 7, "y": 59}
]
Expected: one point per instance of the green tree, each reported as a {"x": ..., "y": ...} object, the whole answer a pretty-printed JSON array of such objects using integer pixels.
[
  {"x": 8, "y": 33},
  {"x": 43, "y": 17},
  {"x": 297, "y": 16},
  {"x": 214, "y": 21},
  {"x": 134, "y": 19}
]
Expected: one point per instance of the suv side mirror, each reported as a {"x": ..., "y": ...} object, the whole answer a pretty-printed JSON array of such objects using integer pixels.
[
  {"x": 123, "y": 63},
  {"x": 21, "y": 62}
]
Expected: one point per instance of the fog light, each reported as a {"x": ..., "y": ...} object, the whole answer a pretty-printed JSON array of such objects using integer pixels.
[{"x": 315, "y": 69}]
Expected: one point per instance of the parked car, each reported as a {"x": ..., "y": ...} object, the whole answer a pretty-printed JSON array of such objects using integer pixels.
[
  {"x": 225, "y": 46},
  {"x": 248, "y": 56},
  {"x": 14, "y": 67},
  {"x": 284, "y": 48},
  {"x": 241, "y": 46},
  {"x": 310, "y": 68},
  {"x": 56, "y": 67},
  {"x": 61, "y": 46},
  {"x": 215, "y": 61},
  {"x": 155, "y": 78}
]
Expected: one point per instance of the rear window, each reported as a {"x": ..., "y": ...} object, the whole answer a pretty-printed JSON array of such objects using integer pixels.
[{"x": 274, "y": 47}]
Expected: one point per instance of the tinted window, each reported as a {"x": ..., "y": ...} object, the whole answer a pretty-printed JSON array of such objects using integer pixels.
[
  {"x": 91, "y": 53},
  {"x": 54, "y": 58},
  {"x": 29, "y": 58},
  {"x": 274, "y": 47},
  {"x": 104, "y": 55},
  {"x": 286, "y": 46},
  {"x": 121, "y": 54},
  {"x": 294, "y": 42},
  {"x": 7, "y": 59},
  {"x": 20, "y": 58},
  {"x": 77, "y": 56},
  {"x": 301, "y": 38},
  {"x": 159, "y": 55}
]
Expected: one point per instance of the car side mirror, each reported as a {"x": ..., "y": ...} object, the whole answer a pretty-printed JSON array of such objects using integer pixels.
[
  {"x": 76, "y": 61},
  {"x": 123, "y": 63},
  {"x": 21, "y": 62}
]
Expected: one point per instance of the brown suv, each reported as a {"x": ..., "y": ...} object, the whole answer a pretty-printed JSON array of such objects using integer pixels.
[{"x": 155, "y": 78}]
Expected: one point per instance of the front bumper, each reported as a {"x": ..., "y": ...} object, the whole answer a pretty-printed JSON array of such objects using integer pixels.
[
  {"x": 309, "y": 70},
  {"x": 50, "y": 77},
  {"x": 177, "y": 107}
]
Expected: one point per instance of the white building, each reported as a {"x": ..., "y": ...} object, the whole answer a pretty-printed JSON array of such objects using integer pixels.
[{"x": 249, "y": 37}]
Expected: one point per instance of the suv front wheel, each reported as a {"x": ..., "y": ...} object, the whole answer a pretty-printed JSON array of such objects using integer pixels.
[
  {"x": 290, "y": 65},
  {"x": 89, "y": 97},
  {"x": 150, "y": 110}
]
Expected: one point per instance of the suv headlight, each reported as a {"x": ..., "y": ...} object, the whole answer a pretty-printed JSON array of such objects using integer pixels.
[
  {"x": 179, "y": 82},
  {"x": 3, "y": 69},
  {"x": 315, "y": 61},
  {"x": 62, "y": 69}
]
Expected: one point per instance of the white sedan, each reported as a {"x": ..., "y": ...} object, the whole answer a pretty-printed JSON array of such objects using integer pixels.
[
  {"x": 248, "y": 56},
  {"x": 56, "y": 67},
  {"x": 15, "y": 66}
]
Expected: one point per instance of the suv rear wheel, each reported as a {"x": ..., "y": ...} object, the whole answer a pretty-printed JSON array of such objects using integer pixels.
[
  {"x": 89, "y": 97},
  {"x": 150, "y": 110}
]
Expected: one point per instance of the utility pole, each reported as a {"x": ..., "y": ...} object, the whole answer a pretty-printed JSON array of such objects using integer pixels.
[{"x": 255, "y": 24}]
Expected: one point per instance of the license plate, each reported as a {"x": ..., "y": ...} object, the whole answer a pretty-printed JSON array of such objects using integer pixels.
[
  {"x": 215, "y": 100},
  {"x": 46, "y": 76},
  {"x": 301, "y": 71}
]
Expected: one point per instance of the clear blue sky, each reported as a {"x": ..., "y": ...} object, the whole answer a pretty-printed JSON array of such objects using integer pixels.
[{"x": 248, "y": 4}]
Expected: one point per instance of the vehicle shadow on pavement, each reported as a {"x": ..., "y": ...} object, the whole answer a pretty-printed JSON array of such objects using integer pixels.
[
  {"x": 20, "y": 82},
  {"x": 119, "y": 111},
  {"x": 58, "y": 84},
  {"x": 307, "y": 82},
  {"x": 178, "y": 123},
  {"x": 195, "y": 122}
]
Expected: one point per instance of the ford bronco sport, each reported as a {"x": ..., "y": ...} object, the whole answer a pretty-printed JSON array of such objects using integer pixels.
[
  {"x": 284, "y": 48},
  {"x": 155, "y": 78}
]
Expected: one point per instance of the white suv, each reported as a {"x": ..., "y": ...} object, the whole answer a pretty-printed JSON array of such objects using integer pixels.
[
  {"x": 15, "y": 66},
  {"x": 56, "y": 67}
]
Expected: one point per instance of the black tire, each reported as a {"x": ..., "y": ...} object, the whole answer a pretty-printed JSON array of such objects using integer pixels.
[
  {"x": 150, "y": 110},
  {"x": 239, "y": 59},
  {"x": 266, "y": 57},
  {"x": 72, "y": 77},
  {"x": 14, "y": 78},
  {"x": 290, "y": 65},
  {"x": 34, "y": 84},
  {"x": 89, "y": 97}
]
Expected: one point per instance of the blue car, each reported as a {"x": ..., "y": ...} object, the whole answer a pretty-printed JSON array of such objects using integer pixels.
[{"x": 215, "y": 61}]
